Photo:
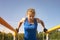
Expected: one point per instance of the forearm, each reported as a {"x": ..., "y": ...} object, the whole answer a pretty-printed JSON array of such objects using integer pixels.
[
  {"x": 19, "y": 25},
  {"x": 42, "y": 23},
  {"x": 43, "y": 26}
]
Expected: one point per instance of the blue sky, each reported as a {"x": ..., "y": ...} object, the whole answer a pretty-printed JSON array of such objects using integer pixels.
[{"x": 13, "y": 10}]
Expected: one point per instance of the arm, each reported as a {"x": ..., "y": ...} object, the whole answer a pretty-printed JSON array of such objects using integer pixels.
[
  {"x": 42, "y": 23},
  {"x": 20, "y": 23}
]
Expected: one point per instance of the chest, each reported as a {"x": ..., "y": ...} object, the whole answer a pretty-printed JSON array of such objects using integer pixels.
[{"x": 30, "y": 25}]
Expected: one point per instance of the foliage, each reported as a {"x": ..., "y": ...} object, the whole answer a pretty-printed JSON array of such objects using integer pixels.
[{"x": 55, "y": 35}]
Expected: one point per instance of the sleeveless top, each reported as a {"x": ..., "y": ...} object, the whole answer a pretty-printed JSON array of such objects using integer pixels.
[{"x": 30, "y": 30}]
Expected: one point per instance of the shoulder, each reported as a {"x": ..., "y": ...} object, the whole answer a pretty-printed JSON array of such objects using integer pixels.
[
  {"x": 22, "y": 20},
  {"x": 38, "y": 20}
]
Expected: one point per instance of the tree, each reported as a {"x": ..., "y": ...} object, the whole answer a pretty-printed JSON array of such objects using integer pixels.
[{"x": 21, "y": 36}]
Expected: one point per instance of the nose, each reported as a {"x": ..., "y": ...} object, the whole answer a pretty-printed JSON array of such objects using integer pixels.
[{"x": 31, "y": 17}]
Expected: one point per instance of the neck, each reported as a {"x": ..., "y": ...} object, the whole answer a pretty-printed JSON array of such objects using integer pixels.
[{"x": 31, "y": 21}]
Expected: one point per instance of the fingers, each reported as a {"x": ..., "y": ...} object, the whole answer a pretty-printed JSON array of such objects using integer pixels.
[
  {"x": 45, "y": 29},
  {"x": 17, "y": 30}
]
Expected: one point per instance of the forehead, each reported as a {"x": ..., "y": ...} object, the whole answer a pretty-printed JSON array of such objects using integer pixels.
[{"x": 30, "y": 13}]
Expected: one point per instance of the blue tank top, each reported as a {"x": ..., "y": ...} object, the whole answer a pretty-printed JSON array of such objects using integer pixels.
[{"x": 30, "y": 30}]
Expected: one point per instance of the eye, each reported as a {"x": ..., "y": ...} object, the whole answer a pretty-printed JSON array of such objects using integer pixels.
[{"x": 30, "y": 16}]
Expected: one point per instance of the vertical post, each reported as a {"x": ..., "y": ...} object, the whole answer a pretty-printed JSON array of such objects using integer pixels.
[
  {"x": 47, "y": 38},
  {"x": 3, "y": 35},
  {"x": 43, "y": 35},
  {"x": 15, "y": 36}
]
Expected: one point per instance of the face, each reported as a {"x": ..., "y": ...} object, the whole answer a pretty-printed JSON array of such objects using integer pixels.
[{"x": 30, "y": 15}]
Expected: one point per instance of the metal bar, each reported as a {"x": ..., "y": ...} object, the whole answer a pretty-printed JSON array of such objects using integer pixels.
[
  {"x": 54, "y": 28},
  {"x": 4, "y": 23},
  {"x": 47, "y": 38}
]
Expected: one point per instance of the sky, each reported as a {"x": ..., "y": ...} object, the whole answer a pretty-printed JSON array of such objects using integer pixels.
[{"x": 13, "y": 10}]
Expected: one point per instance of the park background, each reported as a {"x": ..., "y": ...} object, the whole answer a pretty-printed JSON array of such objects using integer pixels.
[{"x": 13, "y": 10}]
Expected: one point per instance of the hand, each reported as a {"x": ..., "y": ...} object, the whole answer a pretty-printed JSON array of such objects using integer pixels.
[
  {"x": 17, "y": 30},
  {"x": 45, "y": 29}
]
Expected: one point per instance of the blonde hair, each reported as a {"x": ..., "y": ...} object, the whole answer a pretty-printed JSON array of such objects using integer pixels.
[{"x": 31, "y": 10}]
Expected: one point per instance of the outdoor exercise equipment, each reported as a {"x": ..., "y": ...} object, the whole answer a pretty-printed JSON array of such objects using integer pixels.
[
  {"x": 4, "y": 23},
  {"x": 52, "y": 29}
]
